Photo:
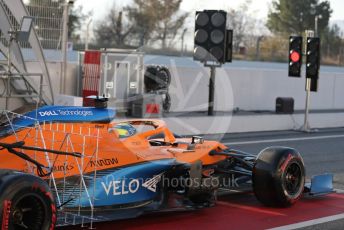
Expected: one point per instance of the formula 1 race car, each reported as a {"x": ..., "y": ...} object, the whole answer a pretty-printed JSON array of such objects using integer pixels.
[{"x": 75, "y": 165}]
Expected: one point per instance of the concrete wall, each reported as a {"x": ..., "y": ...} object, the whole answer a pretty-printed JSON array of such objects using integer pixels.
[
  {"x": 55, "y": 71},
  {"x": 189, "y": 89},
  {"x": 250, "y": 123},
  {"x": 12, "y": 103},
  {"x": 252, "y": 89}
]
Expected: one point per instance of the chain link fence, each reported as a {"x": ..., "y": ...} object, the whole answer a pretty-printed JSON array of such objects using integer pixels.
[{"x": 48, "y": 22}]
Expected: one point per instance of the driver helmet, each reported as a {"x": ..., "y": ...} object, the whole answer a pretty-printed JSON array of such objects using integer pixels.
[{"x": 125, "y": 130}]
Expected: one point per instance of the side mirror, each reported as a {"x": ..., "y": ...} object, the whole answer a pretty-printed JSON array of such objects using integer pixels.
[{"x": 197, "y": 140}]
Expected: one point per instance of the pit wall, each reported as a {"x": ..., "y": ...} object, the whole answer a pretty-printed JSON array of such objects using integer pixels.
[
  {"x": 236, "y": 87},
  {"x": 253, "y": 89}
]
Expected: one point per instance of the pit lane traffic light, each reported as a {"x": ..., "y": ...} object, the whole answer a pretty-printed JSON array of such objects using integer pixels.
[
  {"x": 229, "y": 45},
  {"x": 210, "y": 36},
  {"x": 295, "y": 56},
  {"x": 313, "y": 57},
  {"x": 313, "y": 84}
]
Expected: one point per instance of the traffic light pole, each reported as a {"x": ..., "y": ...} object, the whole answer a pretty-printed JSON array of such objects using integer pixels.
[
  {"x": 211, "y": 91},
  {"x": 212, "y": 65},
  {"x": 306, "y": 127}
]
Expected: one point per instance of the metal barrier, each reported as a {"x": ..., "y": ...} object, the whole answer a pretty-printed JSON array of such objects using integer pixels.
[{"x": 18, "y": 86}]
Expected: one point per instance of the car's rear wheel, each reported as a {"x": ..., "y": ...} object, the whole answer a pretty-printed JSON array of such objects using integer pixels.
[
  {"x": 278, "y": 176},
  {"x": 26, "y": 202}
]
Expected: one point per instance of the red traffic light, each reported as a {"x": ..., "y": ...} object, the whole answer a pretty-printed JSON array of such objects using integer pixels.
[{"x": 295, "y": 56}]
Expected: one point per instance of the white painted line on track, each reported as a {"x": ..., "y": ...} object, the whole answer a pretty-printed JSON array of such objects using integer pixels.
[
  {"x": 339, "y": 190},
  {"x": 284, "y": 140},
  {"x": 310, "y": 222}
]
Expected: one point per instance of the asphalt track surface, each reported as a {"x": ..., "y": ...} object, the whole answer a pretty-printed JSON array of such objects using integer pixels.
[{"x": 322, "y": 151}]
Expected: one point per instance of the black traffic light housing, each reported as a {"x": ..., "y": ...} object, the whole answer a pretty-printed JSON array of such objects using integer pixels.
[
  {"x": 314, "y": 84},
  {"x": 210, "y": 36},
  {"x": 229, "y": 45},
  {"x": 313, "y": 57},
  {"x": 295, "y": 56}
]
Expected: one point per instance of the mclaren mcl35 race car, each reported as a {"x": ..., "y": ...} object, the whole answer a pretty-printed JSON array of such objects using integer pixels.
[{"x": 76, "y": 165}]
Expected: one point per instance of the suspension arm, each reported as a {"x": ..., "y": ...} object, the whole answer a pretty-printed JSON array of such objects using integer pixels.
[{"x": 21, "y": 145}]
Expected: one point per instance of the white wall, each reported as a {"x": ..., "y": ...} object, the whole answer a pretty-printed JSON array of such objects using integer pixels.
[
  {"x": 55, "y": 70},
  {"x": 189, "y": 89},
  {"x": 250, "y": 123},
  {"x": 251, "y": 89},
  {"x": 12, "y": 103}
]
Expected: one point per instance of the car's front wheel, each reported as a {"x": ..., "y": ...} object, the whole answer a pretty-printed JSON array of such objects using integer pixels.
[{"x": 278, "y": 176}]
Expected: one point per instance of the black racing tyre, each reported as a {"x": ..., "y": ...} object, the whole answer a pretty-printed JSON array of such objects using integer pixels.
[
  {"x": 150, "y": 78},
  {"x": 166, "y": 105},
  {"x": 26, "y": 202},
  {"x": 278, "y": 176},
  {"x": 166, "y": 75},
  {"x": 156, "y": 78},
  {"x": 161, "y": 198}
]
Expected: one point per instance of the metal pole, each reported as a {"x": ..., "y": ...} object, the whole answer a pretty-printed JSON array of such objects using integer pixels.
[
  {"x": 9, "y": 62},
  {"x": 9, "y": 68},
  {"x": 182, "y": 47},
  {"x": 64, "y": 48},
  {"x": 308, "y": 93},
  {"x": 306, "y": 127},
  {"x": 316, "y": 25},
  {"x": 87, "y": 33},
  {"x": 211, "y": 91}
]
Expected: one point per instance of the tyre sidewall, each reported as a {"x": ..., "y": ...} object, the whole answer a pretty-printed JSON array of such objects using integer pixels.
[
  {"x": 17, "y": 187},
  {"x": 268, "y": 176},
  {"x": 290, "y": 199}
]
